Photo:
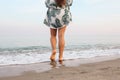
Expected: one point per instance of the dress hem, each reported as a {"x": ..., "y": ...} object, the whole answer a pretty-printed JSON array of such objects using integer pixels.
[{"x": 57, "y": 28}]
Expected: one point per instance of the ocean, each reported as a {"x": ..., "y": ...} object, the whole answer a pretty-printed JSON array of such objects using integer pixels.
[{"x": 36, "y": 50}]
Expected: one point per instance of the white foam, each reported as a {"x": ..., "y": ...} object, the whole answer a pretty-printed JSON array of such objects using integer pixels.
[
  {"x": 28, "y": 58},
  {"x": 23, "y": 58}
]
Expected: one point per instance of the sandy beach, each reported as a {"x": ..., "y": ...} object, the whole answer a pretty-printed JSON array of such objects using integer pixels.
[{"x": 105, "y": 70}]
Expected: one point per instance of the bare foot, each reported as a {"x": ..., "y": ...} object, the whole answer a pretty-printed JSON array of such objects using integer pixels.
[
  {"x": 52, "y": 58},
  {"x": 61, "y": 61},
  {"x": 60, "y": 58}
]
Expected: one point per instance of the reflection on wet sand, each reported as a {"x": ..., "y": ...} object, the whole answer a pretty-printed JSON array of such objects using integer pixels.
[{"x": 53, "y": 63}]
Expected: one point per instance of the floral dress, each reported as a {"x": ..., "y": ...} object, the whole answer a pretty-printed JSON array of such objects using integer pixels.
[{"x": 58, "y": 17}]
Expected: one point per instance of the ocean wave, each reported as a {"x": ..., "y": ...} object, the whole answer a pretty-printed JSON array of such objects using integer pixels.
[{"x": 37, "y": 54}]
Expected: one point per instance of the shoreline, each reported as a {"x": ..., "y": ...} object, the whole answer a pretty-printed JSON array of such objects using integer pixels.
[{"x": 38, "y": 68}]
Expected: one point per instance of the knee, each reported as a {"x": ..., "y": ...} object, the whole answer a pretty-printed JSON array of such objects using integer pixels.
[
  {"x": 61, "y": 36},
  {"x": 53, "y": 37}
]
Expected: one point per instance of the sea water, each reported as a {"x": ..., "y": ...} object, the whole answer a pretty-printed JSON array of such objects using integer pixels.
[{"x": 35, "y": 51}]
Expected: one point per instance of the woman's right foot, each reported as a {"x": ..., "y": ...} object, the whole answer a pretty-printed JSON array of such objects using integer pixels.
[
  {"x": 52, "y": 58},
  {"x": 61, "y": 61}
]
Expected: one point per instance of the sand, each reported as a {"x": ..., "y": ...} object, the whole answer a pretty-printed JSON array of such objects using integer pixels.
[{"x": 105, "y": 70}]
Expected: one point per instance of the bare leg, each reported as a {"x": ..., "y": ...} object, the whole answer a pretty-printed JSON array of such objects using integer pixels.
[
  {"x": 61, "y": 43},
  {"x": 53, "y": 41}
]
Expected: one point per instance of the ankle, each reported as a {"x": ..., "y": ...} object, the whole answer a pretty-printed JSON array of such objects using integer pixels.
[
  {"x": 60, "y": 58},
  {"x": 53, "y": 52}
]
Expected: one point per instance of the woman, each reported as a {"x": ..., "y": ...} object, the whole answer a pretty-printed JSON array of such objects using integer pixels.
[{"x": 58, "y": 17}]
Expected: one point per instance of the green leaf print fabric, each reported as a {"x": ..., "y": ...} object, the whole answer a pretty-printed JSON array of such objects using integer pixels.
[{"x": 56, "y": 16}]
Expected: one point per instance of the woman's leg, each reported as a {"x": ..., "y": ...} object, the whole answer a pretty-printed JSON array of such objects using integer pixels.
[
  {"x": 53, "y": 41},
  {"x": 61, "y": 43}
]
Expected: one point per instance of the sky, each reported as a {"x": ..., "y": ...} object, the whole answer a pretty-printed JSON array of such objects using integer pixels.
[{"x": 21, "y": 18}]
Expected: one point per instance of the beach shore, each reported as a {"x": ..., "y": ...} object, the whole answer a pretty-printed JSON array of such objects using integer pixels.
[{"x": 103, "y": 70}]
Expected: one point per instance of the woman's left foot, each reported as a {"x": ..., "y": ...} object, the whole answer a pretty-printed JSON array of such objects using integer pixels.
[{"x": 52, "y": 58}]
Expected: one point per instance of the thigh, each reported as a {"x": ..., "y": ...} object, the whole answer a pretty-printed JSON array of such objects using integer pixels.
[
  {"x": 53, "y": 32},
  {"x": 61, "y": 31}
]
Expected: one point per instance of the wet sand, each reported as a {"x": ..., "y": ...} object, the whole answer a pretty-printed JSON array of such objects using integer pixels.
[{"x": 99, "y": 70}]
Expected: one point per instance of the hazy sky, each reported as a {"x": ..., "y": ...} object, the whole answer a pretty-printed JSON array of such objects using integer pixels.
[{"x": 90, "y": 17}]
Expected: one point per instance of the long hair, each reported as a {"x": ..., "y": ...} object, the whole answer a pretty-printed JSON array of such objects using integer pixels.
[{"x": 60, "y": 3}]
